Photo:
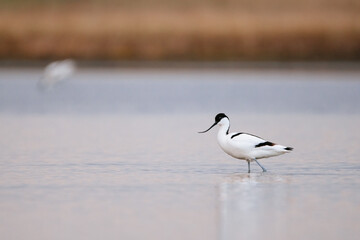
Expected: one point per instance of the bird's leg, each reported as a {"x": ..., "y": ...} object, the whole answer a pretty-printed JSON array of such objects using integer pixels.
[
  {"x": 248, "y": 166},
  {"x": 264, "y": 170}
]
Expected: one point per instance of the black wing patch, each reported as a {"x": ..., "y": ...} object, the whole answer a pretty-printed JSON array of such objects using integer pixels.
[
  {"x": 265, "y": 144},
  {"x": 236, "y": 134}
]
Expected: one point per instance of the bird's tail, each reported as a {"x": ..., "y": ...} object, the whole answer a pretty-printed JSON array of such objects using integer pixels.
[
  {"x": 283, "y": 149},
  {"x": 288, "y": 148}
]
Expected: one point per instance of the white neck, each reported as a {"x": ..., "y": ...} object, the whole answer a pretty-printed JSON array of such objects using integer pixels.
[{"x": 223, "y": 130}]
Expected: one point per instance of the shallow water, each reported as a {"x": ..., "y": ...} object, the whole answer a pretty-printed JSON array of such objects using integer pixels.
[{"x": 115, "y": 154}]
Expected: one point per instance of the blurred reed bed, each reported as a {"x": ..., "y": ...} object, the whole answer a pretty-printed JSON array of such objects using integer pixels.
[{"x": 180, "y": 30}]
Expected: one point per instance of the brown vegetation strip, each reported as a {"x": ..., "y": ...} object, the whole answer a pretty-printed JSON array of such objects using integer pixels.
[{"x": 185, "y": 34}]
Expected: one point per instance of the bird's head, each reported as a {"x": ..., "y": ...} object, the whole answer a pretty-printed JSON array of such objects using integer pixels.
[{"x": 220, "y": 119}]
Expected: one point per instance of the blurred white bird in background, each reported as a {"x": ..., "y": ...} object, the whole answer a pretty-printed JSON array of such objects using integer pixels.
[{"x": 55, "y": 73}]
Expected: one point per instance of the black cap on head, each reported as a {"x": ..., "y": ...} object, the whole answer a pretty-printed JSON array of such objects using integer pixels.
[{"x": 220, "y": 116}]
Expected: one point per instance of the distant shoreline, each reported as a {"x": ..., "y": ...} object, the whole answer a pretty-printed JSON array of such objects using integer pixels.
[
  {"x": 207, "y": 65},
  {"x": 258, "y": 31}
]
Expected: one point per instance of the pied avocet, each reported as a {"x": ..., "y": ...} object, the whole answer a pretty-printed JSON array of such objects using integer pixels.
[
  {"x": 55, "y": 73},
  {"x": 245, "y": 146}
]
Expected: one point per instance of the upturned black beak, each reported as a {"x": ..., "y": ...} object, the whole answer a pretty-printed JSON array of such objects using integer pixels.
[{"x": 209, "y": 128}]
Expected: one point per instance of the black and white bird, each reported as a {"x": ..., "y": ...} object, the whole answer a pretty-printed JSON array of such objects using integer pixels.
[{"x": 245, "y": 146}]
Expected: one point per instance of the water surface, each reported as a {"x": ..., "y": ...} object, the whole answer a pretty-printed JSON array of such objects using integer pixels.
[{"x": 115, "y": 154}]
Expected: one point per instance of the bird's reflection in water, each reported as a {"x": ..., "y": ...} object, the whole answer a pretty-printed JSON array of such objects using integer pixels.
[{"x": 252, "y": 206}]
